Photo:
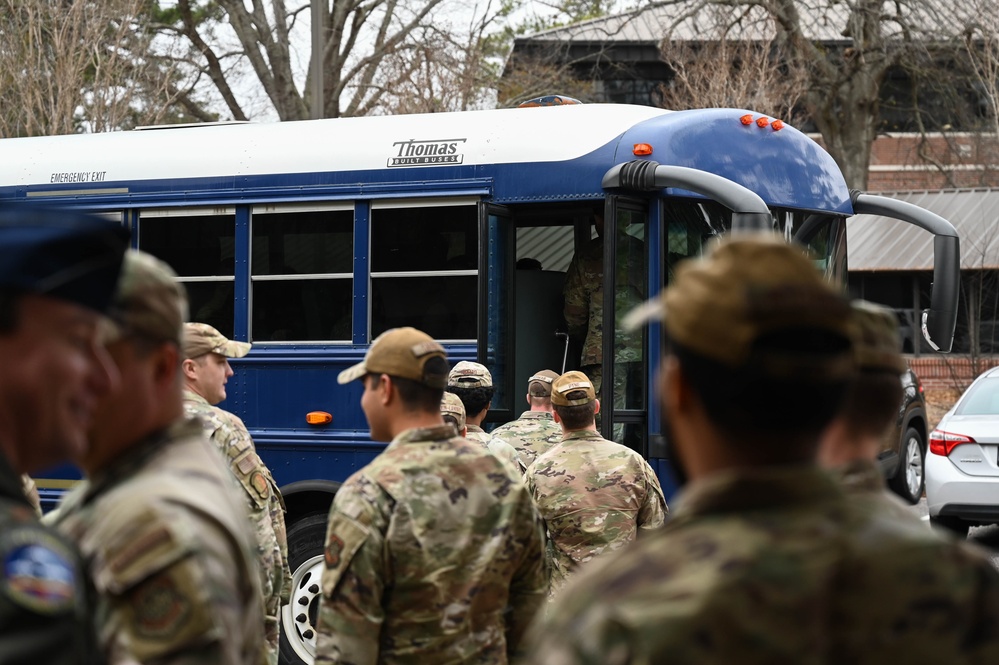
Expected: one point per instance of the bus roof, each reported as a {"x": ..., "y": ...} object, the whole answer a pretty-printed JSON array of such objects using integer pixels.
[{"x": 510, "y": 152}]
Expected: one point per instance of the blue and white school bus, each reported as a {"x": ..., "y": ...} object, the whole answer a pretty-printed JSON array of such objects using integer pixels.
[{"x": 310, "y": 238}]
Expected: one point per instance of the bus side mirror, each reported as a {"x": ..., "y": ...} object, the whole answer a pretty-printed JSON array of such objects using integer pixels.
[{"x": 940, "y": 319}]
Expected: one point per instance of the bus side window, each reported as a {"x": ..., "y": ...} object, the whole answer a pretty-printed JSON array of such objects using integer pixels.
[
  {"x": 424, "y": 269},
  {"x": 199, "y": 245},
  {"x": 301, "y": 273}
]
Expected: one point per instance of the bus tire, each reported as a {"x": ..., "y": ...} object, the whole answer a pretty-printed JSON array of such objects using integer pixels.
[{"x": 306, "y": 537}]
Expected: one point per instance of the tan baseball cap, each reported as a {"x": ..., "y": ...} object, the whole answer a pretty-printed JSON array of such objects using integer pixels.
[
  {"x": 201, "y": 338},
  {"x": 570, "y": 382},
  {"x": 149, "y": 302},
  {"x": 541, "y": 383},
  {"x": 469, "y": 375},
  {"x": 742, "y": 288},
  {"x": 451, "y": 406},
  {"x": 877, "y": 341},
  {"x": 401, "y": 352}
]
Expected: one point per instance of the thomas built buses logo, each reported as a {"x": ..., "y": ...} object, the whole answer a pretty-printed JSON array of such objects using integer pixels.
[{"x": 436, "y": 152}]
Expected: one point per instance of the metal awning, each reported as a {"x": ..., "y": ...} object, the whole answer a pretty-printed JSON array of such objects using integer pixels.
[{"x": 878, "y": 244}]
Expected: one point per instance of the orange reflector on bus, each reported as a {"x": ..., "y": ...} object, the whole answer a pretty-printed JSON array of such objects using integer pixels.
[
  {"x": 318, "y": 418},
  {"x": 747, "y": 119},
  {"x": 777, "y": 125},
  {"x": 642, "y": 150},
  {"x": 762, "y": 122}
]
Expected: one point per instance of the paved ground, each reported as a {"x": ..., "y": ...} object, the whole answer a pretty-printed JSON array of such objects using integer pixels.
[{"x": 986, "y": 536}]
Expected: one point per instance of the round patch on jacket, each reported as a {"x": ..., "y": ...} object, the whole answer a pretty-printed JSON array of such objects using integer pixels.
[
  {"x": 160, "y": 608},
  {"x": 38, "y": 572}
]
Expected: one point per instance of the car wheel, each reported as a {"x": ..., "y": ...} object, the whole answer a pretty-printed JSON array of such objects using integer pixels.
[
  {"x": 306, "y": 538},
  {"x": 908, "y": 480},
  {"x": 954, "y": 525}
]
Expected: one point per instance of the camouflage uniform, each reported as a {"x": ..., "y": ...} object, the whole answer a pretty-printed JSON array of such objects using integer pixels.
[
  {"x": 433, "y": 555},
  {"x": 501, "y": 449},
  {"x": 534, "y": 433},
  {"x": 46, "y": 614},
  {"x": 170, "y": 554},
  {"x": 862, "y": 479},
  {"x": 778, "y": 566},
  {"x": 263, "y": 502},
  {"x": 584, "y": 311},
  {"x": 593, "y": 495}
]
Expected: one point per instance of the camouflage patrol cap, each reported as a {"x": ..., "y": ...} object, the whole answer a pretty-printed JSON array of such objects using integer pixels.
[
  {"x": 745, "y": 287},
  {"x": 60, "y": 254},
  {"x": 540, "y": 385},
  {"x": 570, "y": 382},
  {"x": 401, "y": 352},
  {"x": 469, "y": 375},
  {"x": 150, "y": 302},
  {"x": 201, "y": 338},
  {"x": 451, "y": 406},
  {"x": 877, "y": 343}
]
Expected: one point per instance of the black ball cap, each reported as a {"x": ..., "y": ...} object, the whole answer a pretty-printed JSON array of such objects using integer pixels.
[{"x": 63, "y": 254}]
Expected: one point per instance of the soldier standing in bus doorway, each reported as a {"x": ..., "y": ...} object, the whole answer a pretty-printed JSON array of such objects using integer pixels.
[
  {"x": 473, "y": 384},
  {"x": 535, "y": 431},
  {"x": 765, "y": 559},
  {"x": 434, "y": 550},
  {"x": 159, "y": 520},
  {"x": 206, "y": 369},
  {"x": 584, "y": 309},
  {"x": 58, "y": 271},
  {"x": 595, "y": 496}
]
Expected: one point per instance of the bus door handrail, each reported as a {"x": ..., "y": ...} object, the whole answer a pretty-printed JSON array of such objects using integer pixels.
[
  {"x": 939, "y": 321},
  {"x": 749, "y": 212}
]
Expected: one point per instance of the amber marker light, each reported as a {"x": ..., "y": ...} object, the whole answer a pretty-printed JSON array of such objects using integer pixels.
[
  {"x": 747, "y": 119},
  {"x": 762, "y": 122},
  {"x": 318, "y": 418},
  {"x": 777, "y": 125},
  {"x": 642, "y": 150}
]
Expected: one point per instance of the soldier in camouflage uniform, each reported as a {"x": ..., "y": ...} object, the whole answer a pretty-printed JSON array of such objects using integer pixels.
[
  {"x": 594, "y": 495},
  {"x": 473, "y": 384},
  {"x": 536, "y": 430},
  {"x": 58, "y": 272},
  {"x": 583, "y": 295},
  {"x": 206, "y": 369},
  {"x": 165, "y": 533},
  {"x": 434, "y": 550},
  {"x": 851, "y": 444},
  {"x": 765, "y": 559}
]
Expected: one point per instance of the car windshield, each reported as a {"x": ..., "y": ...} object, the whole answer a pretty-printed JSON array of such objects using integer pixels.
[{"x": 982, "y": 399}]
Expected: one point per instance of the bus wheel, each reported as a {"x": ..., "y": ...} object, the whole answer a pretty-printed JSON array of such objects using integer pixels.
[{"x": 298, "y": 618}]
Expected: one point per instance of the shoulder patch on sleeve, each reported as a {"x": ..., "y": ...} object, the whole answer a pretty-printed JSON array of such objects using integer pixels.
[
  {"x": 39, "y": 571},
  {"x": 344, "y": 538},
  {"x": 147, "y": 550}
]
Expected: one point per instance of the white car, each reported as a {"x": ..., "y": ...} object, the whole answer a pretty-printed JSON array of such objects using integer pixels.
[{"x": 962, "y": 461}]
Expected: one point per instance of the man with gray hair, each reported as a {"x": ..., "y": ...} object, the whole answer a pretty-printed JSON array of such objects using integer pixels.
[{"x": 166, "y": 537}]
